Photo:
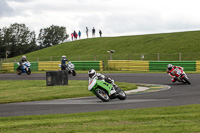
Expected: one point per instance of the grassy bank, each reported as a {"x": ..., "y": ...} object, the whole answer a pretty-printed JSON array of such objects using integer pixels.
[
  {"x": 126, "y": 47},
  {"x": 151, "y": 120},
  {"x": 36, "y": 90}
]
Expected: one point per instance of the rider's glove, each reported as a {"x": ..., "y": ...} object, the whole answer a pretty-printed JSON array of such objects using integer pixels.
[{"x": 98, "y": 74}]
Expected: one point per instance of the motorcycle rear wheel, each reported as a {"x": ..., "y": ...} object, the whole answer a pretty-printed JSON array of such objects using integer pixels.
[
  {"x": 18, "y": 72},
  {"x": 101, "y": 94}
]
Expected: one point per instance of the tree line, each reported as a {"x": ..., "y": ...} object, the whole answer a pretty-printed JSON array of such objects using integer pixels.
[{"x": 17, "y": 39}]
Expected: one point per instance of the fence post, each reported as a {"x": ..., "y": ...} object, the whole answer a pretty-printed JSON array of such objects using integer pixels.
[
  {"x": 110, "y": 56},
  {"x": 95, "y": 57},
  {"x": 50, "y": 58},
  {"x": 179, "y": 56},
  {"x": 158, "y": 57}
]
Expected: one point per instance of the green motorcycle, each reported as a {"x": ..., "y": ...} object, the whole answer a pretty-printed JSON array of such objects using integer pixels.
[{"x": 105, "y": 91}]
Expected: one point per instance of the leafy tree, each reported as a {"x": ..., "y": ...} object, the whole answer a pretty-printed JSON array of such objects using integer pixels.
[
  {"x": 2, "y": 47},
  {"x": 52, "y": 35},
  {"x": 18, "y": 39}
]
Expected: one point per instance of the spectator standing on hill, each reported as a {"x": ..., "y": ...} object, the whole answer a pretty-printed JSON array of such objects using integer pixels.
[
  {"x": 93, "y": 32},
  {"x": 79, "y": 34},
  {"x": 75, "y": 35},
  {"x": 72, "y": 36},
  {"x": 100, "y": 33},
  {"x": 87, "y": 32}
]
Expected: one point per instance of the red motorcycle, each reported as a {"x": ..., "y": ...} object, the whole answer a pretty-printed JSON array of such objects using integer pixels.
[{"x": 180, "y": 76}]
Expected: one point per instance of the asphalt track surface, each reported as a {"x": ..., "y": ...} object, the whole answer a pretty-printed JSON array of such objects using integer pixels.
[{"x": 178, "y": 94}]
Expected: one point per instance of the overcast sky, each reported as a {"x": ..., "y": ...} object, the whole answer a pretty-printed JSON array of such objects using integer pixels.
[{"x": 113, "y": 17}]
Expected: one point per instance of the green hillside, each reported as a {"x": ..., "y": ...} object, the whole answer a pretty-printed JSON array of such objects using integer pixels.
[{"x": 169, "y": 45}]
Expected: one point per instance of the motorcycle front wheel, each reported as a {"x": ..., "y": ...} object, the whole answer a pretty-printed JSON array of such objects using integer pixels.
[
  {"x": 29, "y": 71},
  {"x": 73, "y": 73},
  {"x": 101, "y": 94},
  {"x": 122, "y": 94},
  {"x": 186, "y": 80}
]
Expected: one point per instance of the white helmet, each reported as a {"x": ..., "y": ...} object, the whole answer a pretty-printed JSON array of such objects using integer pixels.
[
  {"x": 23, "y": 57},
  {"x": 64, "y": 57},
  {"x": 92, "y": 73},
  {"x": 169, "y": 66}
]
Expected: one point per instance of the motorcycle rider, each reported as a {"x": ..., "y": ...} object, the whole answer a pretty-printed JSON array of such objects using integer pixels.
[
  {"x": 170, "y": 69},
  {"x": 22, "y": 60},
  {"x": 92, "y": 74},
  {"x": 63, "y": 62}
]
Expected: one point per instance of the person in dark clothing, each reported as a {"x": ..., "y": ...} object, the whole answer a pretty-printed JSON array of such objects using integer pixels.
[
  {"x": 100, "y": 33},
  {"x": 75, "y": 35},
  {"x": 63, "y": 62},
  {"x": 93, "y": 32},
  {"x": 87, "y": 31}
]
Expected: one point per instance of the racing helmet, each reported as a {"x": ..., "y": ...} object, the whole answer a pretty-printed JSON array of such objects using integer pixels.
[
  {"x": 169, "y": 66},
  {"x": 92, "y": 73},
  {"x": 24, "y": 57},
  {"x": 63, "y": 57}
]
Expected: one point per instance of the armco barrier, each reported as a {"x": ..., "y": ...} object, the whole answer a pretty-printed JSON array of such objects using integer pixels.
[
  {"x": 128, "y": 65},
  {"x": 198, "y": 66},
  {"x": 48, "y": 66},
  {"x": 162, "y": 65},
  {"x": 87, "y": 65},
  {"x": 54, "y": 65},
  {"x": 79, "y": 65},
  {"x": 112, "y": 65},
  {"x": 7, "y": 66}
]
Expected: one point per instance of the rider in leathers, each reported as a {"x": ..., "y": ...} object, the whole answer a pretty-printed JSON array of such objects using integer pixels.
[
  {"x": 170, "y": 71},
  {"x": 22, "y": 60},
  {"x": 63, "y": 62},
  {"x": 92, "y": 74}
]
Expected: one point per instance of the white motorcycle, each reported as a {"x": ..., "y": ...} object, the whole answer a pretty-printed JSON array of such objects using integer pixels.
[
  {"x": 25, "y": 68},
  {"x": 70, "y": 68}
]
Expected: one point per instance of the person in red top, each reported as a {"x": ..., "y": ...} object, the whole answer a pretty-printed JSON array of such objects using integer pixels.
[
  {"x": 170, "y": 71},
  {"x": 72, "y": 35}
]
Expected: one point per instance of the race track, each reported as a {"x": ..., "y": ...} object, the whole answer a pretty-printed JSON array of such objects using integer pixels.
[{"x": 178, "y": 94}]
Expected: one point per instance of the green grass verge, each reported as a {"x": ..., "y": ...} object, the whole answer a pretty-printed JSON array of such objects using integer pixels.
[
  {"x": 36, "y": 90},
  {"x": 182, "y": 119}
]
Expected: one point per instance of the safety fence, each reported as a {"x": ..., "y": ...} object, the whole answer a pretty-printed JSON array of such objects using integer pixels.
[
  {"x": 127, "y": 65},
  {"x": 151, "y": 65},
  {"x": 198, "y": 66},
  {"x": 162, "y": 65},
  {"x": 54, "y": 65}
]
